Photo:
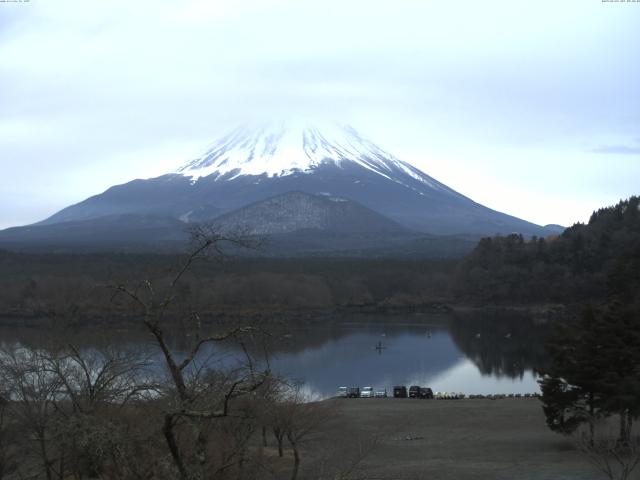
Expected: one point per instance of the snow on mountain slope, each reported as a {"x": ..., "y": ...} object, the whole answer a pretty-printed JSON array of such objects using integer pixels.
[{"x": 287, "y": 148}]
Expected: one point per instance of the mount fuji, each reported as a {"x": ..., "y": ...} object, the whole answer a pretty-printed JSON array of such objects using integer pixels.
[{"x": 252, "y": 164}]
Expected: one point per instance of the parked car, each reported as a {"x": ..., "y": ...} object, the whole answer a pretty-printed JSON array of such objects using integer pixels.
[
  {"x": 342, "y": 392},
  {"x": 353, "y": 392},
  {"x": 414, "y": 391},
  {"x": 400, "y": 392},
  {"x": 426, "y": 392},
  {"x": 381, "y": 393},
  {"x": 366, "y": 392}
]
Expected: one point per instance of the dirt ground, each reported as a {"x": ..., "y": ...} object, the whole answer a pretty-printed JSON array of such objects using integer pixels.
[{"x": 451, "y": 439}]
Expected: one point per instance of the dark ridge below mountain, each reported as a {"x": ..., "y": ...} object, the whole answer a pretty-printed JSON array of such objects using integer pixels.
[{"x": 296, "y": 211}]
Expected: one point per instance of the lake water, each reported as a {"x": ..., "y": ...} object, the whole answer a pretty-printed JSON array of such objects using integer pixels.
[
  {"x": 386, "y": 355},
  {"x": 473, "y": 354}
]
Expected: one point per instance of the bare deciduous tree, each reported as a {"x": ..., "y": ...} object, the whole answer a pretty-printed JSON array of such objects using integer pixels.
[
  {"x": 8, "y": 463},
  {"x": 34, "y": 390},
  {"x": 113, "y": 413},
  {"x": 66, "y": 406},
  {"x": 109, "y": 376},
  {"x": 294, "y": 417},
  {"x": 194, "y": 396},
  {"x": 616, "y": 460}
]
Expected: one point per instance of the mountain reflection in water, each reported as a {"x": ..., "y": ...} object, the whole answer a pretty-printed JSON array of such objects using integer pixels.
[
  {"x": 458, "y": 356},
  {"x": 474, "y": 353}
]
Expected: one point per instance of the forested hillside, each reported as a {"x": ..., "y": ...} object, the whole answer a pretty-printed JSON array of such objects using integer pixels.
[{"x": 588, "y": 261}]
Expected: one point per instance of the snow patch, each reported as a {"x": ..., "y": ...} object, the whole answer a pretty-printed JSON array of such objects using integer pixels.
[
  {"x": 299, "y": 148},
  {"x": 185, "y": 216}
]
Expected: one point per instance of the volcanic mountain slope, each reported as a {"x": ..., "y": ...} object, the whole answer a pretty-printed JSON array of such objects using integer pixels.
[{"x": 250, "y": 165}]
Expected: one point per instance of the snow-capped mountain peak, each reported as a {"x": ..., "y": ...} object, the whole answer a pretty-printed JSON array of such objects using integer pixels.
[{"x": 286, "y": 148}]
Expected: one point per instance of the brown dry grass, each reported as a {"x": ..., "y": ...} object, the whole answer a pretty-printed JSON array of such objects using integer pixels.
[{"x": 456, "y": 439}]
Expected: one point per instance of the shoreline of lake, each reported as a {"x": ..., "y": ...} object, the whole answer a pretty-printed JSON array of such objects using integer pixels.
[{"x": 225, "y": 316}]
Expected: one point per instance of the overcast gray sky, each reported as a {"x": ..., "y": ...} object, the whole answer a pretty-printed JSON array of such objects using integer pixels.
[{"x": 529, "y": 107}]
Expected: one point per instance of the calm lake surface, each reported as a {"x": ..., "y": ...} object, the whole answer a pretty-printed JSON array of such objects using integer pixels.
[
  {"x": 452, "y": 357},
  {"x": 470, "y": 354}
]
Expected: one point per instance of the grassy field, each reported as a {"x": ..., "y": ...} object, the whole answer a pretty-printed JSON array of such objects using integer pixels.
[{"x": 454, "y": 439}]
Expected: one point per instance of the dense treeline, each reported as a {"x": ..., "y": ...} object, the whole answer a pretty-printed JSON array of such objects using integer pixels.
[
  {"x": 586, "y": 262},
  {"x": 594, "y": 368},
  {"x": 594, "y": 371},
  {"x": 37, "y": 284},
  {"x": 590, "y": 375}
]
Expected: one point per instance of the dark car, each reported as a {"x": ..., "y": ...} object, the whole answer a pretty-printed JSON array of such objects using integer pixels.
[
  {"x": 400, "y": 392},
  {"x": 353, "y": 392},
  {"x": 426, "y": 393},
  {"x": 414, "y": 391}
]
